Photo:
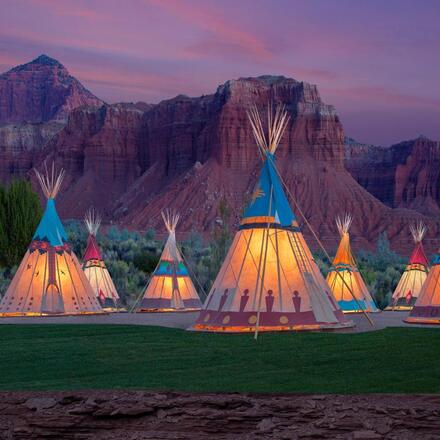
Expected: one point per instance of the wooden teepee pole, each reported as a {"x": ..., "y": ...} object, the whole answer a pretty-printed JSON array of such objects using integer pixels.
[
  {"x": 267, "y": 230},
  {"x": 322, "y": 247}
]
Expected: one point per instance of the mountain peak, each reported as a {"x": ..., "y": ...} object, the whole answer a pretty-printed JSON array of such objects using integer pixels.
[
  {"x": 46, "y": 60},
  {"x": 422, "y": 137},
  {"x": 41, "y": 90},
  {"x": 42, "y": 60}
]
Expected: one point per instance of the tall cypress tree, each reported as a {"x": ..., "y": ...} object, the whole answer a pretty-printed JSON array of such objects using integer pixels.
[
  {"x": 3, "y": 225},
  {"x": 20, "y": 213}
]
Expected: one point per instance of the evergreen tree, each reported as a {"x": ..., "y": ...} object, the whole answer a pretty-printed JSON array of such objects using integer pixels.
[
  {"x": 20, "y": 213},
  {"x": 221, "y": 238},
  {"x": 3, "y": 225}
]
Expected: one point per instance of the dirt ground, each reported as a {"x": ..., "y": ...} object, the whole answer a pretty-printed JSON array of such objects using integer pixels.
[
  {"x": 139, "y": 415},
  {"x": 186, "y": 319}
]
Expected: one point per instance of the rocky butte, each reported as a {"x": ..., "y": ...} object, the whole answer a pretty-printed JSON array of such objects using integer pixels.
[
  {"x": 36, "y": 99},
  {"x": 133, "y": 160},
  {"x": 405, "y": 175},
  {"x": 40, "y": 91}
]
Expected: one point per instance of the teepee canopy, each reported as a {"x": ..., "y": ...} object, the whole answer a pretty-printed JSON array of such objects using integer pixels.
[
  {"x": 49, "y": 279},
  {"x": 426, "y": 309},
  {"x": 170, "y": 287},
  {"x": 418, "y": 255},
  {"x": 92, "y": 220},
  {"x": 94, "y": 266},
  {"x": 344, "y": 256},
  {"x": 411, "y": 282},
  {"x": 269, "y": 202},
  {"x": 344, "y": 278},
  {"x": 269, "y": 280},
  {"x": 50, "y": 229}
]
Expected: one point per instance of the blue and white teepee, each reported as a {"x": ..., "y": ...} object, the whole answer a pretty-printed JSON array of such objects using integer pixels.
[
  {"x": 269, "y": 280},
  {"x": 49, "y": 280}
]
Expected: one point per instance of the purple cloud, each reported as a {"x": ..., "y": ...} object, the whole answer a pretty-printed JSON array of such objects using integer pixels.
[{"x": 368, "y": 59}]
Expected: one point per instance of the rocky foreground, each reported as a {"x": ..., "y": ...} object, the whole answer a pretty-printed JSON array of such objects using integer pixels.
[{"x": 136, "y": 415}]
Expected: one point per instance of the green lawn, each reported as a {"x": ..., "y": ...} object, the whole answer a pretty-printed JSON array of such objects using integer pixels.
[{"x": 67, "y": 357}]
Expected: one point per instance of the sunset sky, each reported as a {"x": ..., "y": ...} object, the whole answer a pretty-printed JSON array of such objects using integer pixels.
[{"x": 377, "y": 62}]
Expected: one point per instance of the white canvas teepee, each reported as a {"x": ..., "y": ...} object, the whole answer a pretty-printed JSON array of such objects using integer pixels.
[
  {"x": 170, "y": 288},
  {"x": 344, "y": 278},
  {"x": 94, "y": 266},
  {"x": 426, "y": 309},
  {"x": 269, "y": 279},
  {"x": 411, "y": 282},
  {"x": 49, "y": 280}
]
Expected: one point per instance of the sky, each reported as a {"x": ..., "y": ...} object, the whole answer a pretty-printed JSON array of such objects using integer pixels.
[{"x": 376, "y": 61}]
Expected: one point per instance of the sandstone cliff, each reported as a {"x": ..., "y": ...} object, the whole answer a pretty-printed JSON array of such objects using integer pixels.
[
  {"x": 133, "y": 160},
  {"x": 405, "y": 175},
  {"x": 20, "y": 144}
]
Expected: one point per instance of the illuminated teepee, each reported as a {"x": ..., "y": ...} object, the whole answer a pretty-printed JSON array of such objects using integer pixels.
[
  {"x": 344, "y": 278},
  {"x": 426, "y": 309},
  {"x": 269, "y": 280},
  {"x": 95, "y": 268},
  {"x": 412, "y": 280},
  {"x": 49, "y": 280},
  {"x": 170, "y": 288}
]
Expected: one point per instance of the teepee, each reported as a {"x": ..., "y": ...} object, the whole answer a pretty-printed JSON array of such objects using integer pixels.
[
  {"x": 269, "y": 280},
  {"x": 411, "y": 281},
  {"x": 426, "y": 309},
  {"x": 170, "y": 288},
  {"x": 344, "y": 278},
  {"x": 95, "y": 268},
  {"x": 49, "y": 280}
]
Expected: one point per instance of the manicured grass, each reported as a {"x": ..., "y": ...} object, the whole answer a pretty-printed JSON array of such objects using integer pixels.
[{"x": 68, "y": 357}]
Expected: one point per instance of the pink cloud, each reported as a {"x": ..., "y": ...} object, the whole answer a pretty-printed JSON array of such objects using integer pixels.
[
  {"x": 135, "y": 81},
  {"x": 68, "y": 8},
  {"x": 225, "y": 34},
  {"x": 61, "y": 41},
  {"x": 382, "y": 95}
]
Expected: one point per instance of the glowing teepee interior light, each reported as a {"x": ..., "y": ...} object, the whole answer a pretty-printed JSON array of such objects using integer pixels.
[
  {"x": 94, "y": 266},
  {"x": 269, "y": 279},
  {"x": 49, "y": 280},
  {"x": 170, "y": 288}
]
